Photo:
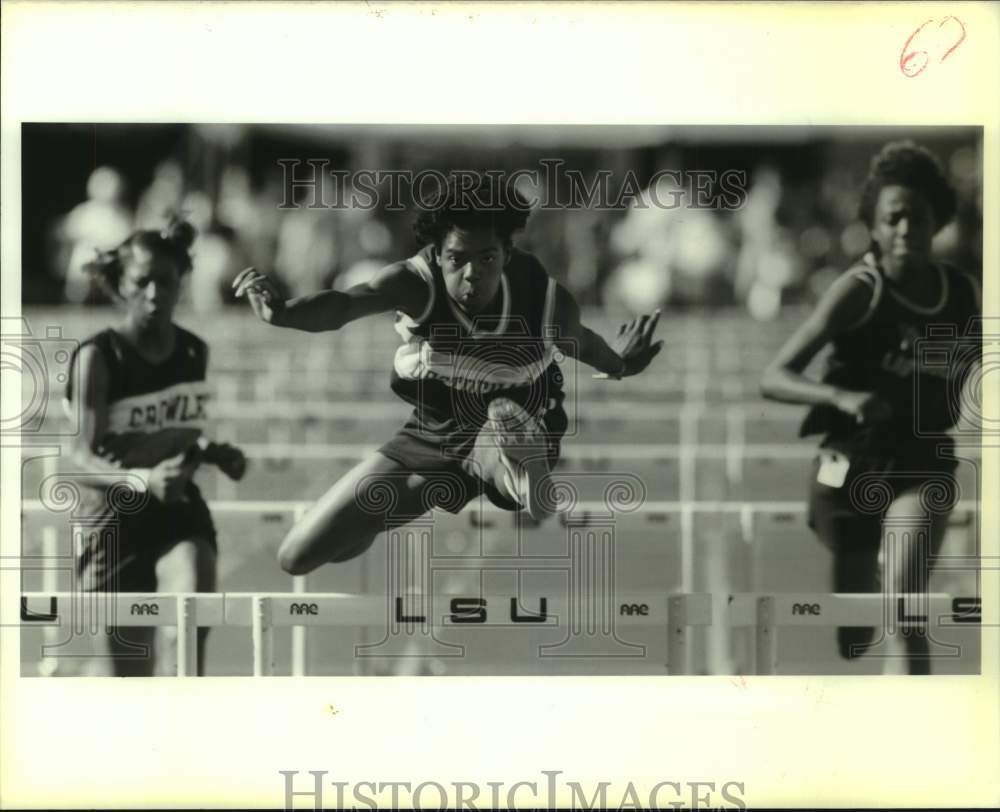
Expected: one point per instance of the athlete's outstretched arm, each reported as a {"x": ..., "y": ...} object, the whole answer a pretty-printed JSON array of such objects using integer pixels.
[
  {"x": 395, "y": 287},
  {"x": 843, "y": 305},
  {"x": 633, "y": 348}
]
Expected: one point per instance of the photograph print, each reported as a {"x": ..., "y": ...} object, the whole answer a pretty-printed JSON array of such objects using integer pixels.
[{"x": 373, "y": 400}]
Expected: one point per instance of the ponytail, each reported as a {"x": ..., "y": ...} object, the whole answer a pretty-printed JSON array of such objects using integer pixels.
[{"x": 174, "y": 241}]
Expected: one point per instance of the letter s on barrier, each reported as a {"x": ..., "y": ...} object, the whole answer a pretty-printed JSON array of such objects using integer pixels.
[
  {"x": 967, "y": 610},
  {"x": 468, "y": 610}
]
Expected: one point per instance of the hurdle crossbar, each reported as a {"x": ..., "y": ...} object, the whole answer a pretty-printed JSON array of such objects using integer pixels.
[
  {"x": 584, "y": 614},
  {"x": 611, "y": 451},
  {"x": 263, "y": 613},
  {"x": 768, "y": 613},
  {"x": 588, "y": 507},
  {"x": 97, "y": 611}
]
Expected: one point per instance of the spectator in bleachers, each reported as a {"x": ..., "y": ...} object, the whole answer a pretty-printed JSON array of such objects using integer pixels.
[
  {"x": 308, "y": 251},
  {"x": 374, "y": 243},
  {"x": 162, "y": 199},
  {"x": 253, "y": 217},
  {"x": 98, "y": 224},
  {"x": 768, "y": 261},
  {"x": 216, "y": 256},
  {"x": 674, "y": 251}
]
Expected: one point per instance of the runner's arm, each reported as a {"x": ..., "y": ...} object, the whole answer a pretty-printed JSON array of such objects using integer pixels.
[
  {"x": 579, "y": 341},
  {"x": 633, "y": 348},
  {"x": 395, "y": 287},
  {"x": 166, "y": 480},
  {"x": 843, "y": 305}
]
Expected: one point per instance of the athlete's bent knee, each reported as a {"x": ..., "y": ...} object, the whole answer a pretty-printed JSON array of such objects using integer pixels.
[
  {"x": 189, "y": 566},
  {"x": 292, "y": 558}
]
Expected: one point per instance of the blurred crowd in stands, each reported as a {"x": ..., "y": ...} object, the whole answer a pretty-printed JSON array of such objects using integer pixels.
[{"x": 796, "y": 229}]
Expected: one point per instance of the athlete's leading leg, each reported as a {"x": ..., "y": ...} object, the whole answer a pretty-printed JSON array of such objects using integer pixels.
[
  {"x": 512, "y": 454},
  {"x": 188, "y": 566},
  {"x": 344, "y": 522},
  {"x": 912, "y": 534},
  {"x": 854, "y": 542},
  {"x": 128, "y": 650},
  {"x": 853, "y": 537}
]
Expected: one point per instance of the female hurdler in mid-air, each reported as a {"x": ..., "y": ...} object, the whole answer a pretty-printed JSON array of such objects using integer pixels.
[{"x": 482, "y": 325}]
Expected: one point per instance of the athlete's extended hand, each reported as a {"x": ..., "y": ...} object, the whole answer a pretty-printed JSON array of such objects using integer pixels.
[
  {"x": 865, "y": 407},
  {"x": 634, "y": 344},
  {"x": 229, "y": 459},
  {"x": 169, "y": 479},
  {"x": 264, "y": 296}
]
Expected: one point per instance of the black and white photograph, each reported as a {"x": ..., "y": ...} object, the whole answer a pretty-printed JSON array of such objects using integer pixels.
[
  {"x": 520, "y": 401},
  {"x": 398, "y": 397}
]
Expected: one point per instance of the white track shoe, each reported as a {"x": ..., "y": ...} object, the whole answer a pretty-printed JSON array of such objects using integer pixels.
[{"x": 520, "y": 440}]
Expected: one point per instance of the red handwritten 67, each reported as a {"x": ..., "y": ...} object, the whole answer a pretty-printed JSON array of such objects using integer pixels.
[{"x": 951, "y": 34}]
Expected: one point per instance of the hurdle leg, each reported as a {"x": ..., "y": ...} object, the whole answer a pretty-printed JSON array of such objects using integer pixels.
[
  {"x": 263, "y": 638},
  {"x": 187, "y": 637},
  {"x": 677, "y": 636},
  {"x": 299, "y": 633},
  {"x": 767, "y": 636},
  {"x": 48, "y": 665}
]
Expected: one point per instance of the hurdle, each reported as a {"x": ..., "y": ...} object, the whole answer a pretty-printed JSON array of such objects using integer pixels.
[
  {"x": 236, "y": 409},
  {"x": 228, "y": 406},
  {"x": 607, "y": 451},
  {"x": 675, "y": 614},
  {"x": 675, "y": 507},
  {"x": 745, "y": 511},
  {"x": 263, "y": 613},
  {"x": 183, "y": 611},
  {"x": 768, "y": 613}
]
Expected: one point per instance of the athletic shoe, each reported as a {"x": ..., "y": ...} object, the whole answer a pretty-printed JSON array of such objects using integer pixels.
[{"x": 520, "y": 440}]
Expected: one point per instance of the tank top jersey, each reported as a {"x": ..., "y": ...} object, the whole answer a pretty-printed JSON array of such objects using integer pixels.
[
  {"x": 914, "y": 356},
  {"x": 155, "y": 411},
  {"x": 450, "y": 365}
]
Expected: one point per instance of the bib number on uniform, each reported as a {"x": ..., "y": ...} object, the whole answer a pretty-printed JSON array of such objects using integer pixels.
[{"x": 833, "y": 469}]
